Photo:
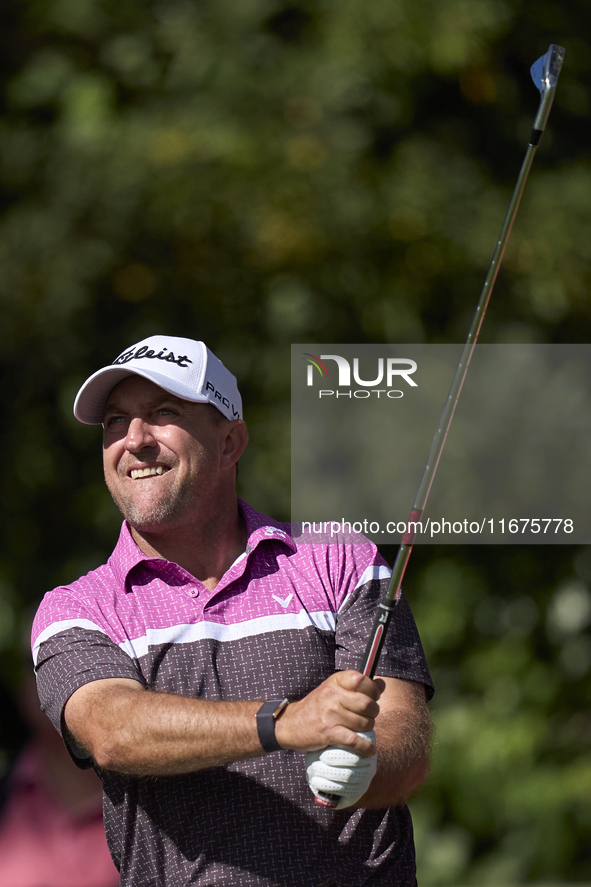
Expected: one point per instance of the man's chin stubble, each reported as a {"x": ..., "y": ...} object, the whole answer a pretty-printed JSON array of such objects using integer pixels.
[{"x": 146, "y": 519}]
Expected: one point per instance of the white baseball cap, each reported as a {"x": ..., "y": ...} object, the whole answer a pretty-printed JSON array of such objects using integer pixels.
[{"x": 182, "y": 367}]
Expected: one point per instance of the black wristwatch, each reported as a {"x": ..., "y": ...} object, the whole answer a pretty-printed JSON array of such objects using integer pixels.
[{"x": 266, "y": 717}]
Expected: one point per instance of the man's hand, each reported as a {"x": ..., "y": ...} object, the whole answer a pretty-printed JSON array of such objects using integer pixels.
[
  {"x": 337, "y": 712},
  {"x": 338, "y": 771},
  {"x": 402, "y": 730}
]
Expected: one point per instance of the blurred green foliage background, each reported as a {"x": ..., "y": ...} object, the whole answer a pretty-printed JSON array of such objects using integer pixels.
[{"x": 267, "y": 172}]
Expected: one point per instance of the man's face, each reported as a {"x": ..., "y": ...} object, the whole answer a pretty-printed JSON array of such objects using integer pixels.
[{"x": 162, "y": 455}]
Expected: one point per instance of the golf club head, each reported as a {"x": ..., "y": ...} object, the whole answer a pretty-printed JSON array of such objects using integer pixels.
[{"x": 545, "y": 71}]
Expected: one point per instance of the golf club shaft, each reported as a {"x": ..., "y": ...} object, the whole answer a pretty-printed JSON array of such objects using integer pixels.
[{"x": 386, "y": 607}]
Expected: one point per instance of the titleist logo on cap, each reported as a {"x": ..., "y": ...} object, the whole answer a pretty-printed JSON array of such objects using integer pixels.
[{"x": 144, "y": 352}]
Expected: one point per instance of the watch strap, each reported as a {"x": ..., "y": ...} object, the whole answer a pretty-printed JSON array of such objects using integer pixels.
[{"x": 266, "y": 717}]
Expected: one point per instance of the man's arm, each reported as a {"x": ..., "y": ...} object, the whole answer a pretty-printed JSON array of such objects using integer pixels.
[
  {"x": 143, "y": 733},
  {"x": 403, "y": 730}
]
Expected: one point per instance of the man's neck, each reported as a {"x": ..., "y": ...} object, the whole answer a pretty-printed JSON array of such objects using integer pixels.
[{"x": 206, "y": 548}]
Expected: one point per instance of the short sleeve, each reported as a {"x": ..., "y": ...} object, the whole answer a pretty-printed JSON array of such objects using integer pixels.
[
  {"x": 71, "y": 648},
  {"x": 402, "y": 655}
]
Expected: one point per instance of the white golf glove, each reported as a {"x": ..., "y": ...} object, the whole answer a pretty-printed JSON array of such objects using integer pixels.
[{"x": 338, "y": 770}]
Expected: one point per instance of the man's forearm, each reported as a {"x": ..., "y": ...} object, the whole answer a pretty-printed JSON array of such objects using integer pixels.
[{"x": 142, "y": 733}]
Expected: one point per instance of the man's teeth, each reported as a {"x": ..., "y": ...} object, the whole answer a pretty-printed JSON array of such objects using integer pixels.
[{"x": 146, "y": 472}]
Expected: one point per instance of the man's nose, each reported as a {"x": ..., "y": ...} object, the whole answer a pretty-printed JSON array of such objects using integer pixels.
[{"x": 139, "y": 435}]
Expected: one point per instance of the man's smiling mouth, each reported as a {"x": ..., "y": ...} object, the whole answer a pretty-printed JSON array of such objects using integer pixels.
[{"x": 147, "y": 472}]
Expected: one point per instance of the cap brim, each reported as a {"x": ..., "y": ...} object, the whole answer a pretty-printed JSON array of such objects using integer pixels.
[{"x": 89, "y": 406}]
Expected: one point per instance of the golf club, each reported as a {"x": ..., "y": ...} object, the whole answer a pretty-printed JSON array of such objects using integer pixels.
[{"x": 545, "y": 72}]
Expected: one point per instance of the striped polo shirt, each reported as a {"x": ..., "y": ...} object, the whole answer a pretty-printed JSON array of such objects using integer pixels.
[{"x": 283, "y": 618}]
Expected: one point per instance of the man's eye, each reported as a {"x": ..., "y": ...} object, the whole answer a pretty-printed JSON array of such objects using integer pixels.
[{"x": 113, "y": 421}]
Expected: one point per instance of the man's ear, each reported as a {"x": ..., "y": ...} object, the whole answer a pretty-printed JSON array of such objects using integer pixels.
[{"x": 234, "y": 442}]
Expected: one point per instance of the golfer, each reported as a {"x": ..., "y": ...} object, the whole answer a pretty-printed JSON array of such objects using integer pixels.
[{"x": 207, "y": 671}]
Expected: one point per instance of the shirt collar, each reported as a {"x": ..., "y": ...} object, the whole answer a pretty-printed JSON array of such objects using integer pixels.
[
  {"x": 127, "y": 554},
  {"x": 261, "y": 528}
]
